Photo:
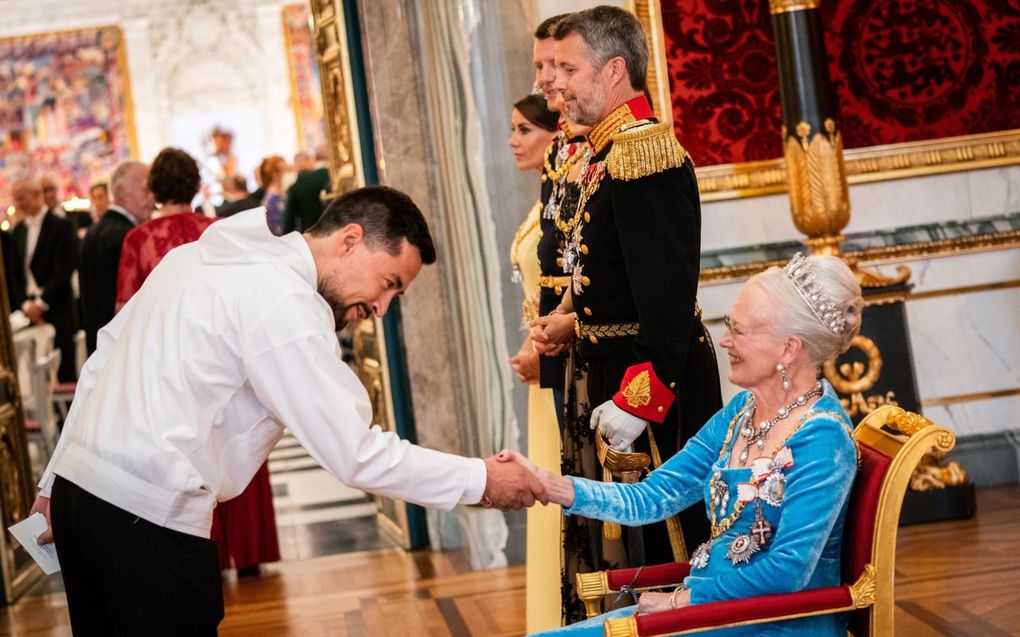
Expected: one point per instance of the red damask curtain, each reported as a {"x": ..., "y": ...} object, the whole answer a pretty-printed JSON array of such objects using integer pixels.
[{"x": 902, "y": 70}]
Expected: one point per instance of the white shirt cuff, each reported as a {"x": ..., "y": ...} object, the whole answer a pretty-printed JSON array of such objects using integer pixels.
[{"x": 477, "y": 479}]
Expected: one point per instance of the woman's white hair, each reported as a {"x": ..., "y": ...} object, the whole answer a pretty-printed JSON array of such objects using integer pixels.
[{"x": 791, "y": 315}]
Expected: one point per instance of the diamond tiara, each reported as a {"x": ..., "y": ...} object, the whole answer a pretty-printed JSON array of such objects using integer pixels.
[{"x": 821, "y": 304}]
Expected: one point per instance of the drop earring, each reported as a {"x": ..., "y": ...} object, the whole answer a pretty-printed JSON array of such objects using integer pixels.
[{"x": 786, "y": 379}]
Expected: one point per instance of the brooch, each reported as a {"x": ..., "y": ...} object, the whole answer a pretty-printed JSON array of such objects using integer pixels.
[{"x": 741, "y": 549}]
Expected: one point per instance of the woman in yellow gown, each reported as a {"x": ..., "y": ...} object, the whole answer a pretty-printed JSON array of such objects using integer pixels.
[{"x": 533, "y": 127}]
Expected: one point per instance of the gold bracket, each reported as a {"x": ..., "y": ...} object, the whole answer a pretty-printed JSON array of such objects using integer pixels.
[{"x": 862, "y": 592}]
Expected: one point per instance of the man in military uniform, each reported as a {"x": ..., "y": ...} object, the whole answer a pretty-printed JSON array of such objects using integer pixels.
[
  {"x": 558, "y": 198},
  {"x": 642, "y": 358}
]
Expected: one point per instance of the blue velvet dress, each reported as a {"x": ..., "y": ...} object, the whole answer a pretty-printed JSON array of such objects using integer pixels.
[{"x": 802, "y": 492}]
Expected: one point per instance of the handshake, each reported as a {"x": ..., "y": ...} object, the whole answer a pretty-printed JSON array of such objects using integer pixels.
[{"x": 513, "y": 481}]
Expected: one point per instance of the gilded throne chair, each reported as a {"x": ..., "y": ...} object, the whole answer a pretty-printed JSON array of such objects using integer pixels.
[{"x": 890, "y": 442}]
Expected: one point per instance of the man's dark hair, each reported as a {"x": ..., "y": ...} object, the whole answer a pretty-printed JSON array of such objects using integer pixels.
[
  {"x": 173, "y": 177},
  {"x": 385, "y": 215},
  {"x": 548, "y": 26},
  {"x": 535, "y": 109},
  {"x": 610, "y": 32},
  {"x": 237, "y": 182}
]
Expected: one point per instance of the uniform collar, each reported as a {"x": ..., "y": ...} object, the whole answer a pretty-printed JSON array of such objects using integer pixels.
[{"x": 602, "y": 133}]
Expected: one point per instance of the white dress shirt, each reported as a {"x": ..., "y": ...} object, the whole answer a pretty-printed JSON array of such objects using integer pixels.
[
  {"x": 194, "y": 380},
  {"x": 33, "y": 225}
]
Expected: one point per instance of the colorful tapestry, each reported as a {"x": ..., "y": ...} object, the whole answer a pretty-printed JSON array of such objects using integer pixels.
[
  {"x": 902, "y": 70},
  {"x": 65, "y": 107},
  {"x": 306, "y": 93}
]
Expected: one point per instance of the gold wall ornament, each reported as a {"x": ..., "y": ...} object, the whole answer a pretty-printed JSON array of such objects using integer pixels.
[
  {"x": 819, "y": 196},
  {"x": 786, "y": 6},
  {"x": 931, "y": 475},
  {"x": 854, "y": 379}
]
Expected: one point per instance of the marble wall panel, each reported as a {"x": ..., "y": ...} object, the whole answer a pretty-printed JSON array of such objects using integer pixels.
[
  {"x": 966, "y": 343},
  {"x": 873, "y": 206},
  {"x": 396, "y": 96},
  {"x": 992, "y": 416}
]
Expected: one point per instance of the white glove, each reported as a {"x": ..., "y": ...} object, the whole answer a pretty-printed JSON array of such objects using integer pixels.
[{"x": 616, "y": 425}]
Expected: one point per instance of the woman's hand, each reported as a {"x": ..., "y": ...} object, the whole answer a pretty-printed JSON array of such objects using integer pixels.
[
  {"x": 552, "y": 333},
  {"x": 559, "y": 488},
  {"x": 525, "y": 363},
  {"x": 655, "y": 602}
]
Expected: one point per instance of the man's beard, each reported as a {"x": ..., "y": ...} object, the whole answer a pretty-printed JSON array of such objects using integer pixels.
[
  {"x": 327, "y": 289},
  {"x": 586, "y": 113}
]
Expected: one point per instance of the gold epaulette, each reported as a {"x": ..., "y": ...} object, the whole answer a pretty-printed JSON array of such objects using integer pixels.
[{"x": 644, "y": 151}]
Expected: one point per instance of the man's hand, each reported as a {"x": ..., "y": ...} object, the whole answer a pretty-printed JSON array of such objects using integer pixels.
[
  {"x": 559, "y": 488},
  {"x": 525, "y": 363},
  {"x": 33, "y": 311},
  {"x": 42, "y": 505},
  {"x": 616, "y": 425},
  {"x": 508, "y": 485}
]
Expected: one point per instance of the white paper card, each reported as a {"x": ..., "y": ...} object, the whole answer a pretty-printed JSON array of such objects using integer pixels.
[{"x": 26, "y": 533}]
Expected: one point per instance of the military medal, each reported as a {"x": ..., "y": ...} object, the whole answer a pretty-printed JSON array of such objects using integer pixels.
[
  {"x": 700, "y": 557},
  {"x": 552, "y": 207},
  {"x": 569, "y": 259},
  {"x": 742, "y": 548},
  {"x": 761, "y": 530},
  {"x": 773, "y": 489}
]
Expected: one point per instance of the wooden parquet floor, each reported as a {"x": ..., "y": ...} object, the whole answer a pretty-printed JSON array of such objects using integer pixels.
[{"x": 953, "y": 579}]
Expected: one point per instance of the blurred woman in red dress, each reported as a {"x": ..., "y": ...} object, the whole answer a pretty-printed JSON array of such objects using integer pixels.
[{"x": 244, "y": 528}]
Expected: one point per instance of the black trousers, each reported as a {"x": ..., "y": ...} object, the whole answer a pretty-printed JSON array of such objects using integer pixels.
[{"x": 126, "y": 576}]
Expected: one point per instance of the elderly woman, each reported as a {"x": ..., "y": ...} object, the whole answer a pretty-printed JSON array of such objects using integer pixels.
[{"x": 774, "y": 466}]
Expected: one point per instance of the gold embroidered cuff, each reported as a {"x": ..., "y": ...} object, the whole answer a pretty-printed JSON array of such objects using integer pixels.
[{"x": 593, "y": 332}]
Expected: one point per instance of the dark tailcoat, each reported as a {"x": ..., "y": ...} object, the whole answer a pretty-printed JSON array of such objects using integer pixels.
[
  {"x": 53, "y": 262},
  {"x": 638, "y": 241},
  {"x": 100, "y": 258}
]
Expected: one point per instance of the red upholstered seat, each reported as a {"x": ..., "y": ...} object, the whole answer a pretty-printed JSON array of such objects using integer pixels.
[
  {"x": 649, "y": 576},
  {"x": 859, "y": 532},
  {"x": 740, "y": 610},
  {"x": 65, "y": 388}
]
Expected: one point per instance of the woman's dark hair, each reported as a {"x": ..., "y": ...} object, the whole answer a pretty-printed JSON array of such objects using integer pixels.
[
  {"x": 535, "y": 110},
  {"x": 385, "y": 215},
  {"x": 173, "y": 177}
]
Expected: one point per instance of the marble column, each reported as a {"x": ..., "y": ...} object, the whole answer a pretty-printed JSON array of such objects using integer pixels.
[{"x": 442, "y": 77}]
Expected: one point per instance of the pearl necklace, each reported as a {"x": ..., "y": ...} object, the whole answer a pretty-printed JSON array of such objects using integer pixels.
[{"x": 756, "y": 435}]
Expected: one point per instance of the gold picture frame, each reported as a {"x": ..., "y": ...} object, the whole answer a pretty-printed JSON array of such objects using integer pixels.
[
  {"x": 102, "y": 163},
  {"x": 873, "y": 163}
]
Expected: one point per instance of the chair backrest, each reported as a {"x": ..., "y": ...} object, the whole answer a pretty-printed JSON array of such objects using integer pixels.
[
  {"x": 890, "y": 442},
  {"x": 43, "y": 374}
]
